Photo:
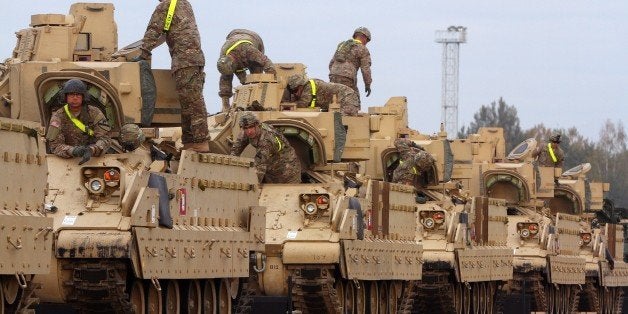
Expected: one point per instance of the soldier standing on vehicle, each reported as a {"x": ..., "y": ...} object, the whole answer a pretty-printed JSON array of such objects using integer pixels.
[
  {"x": 77, "y": 129},
  {"x": 243, "y": 50},
  {"x": 318, "y": 93},
  {"x": 275, "y": 160},
  {"x": 413, "y": 160},
  {"x": 550, "y": 154},
  {"x": 174, "y": 22},
  {"x": 350, "y": 56}
]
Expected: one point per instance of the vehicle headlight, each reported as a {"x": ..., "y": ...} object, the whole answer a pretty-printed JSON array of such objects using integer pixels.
[
  {"x": 95, "y": 185},
  {"x": 525, "y": 233},
  {"x": 428, "y": 223},
  {"x": 310, "y": 208}
]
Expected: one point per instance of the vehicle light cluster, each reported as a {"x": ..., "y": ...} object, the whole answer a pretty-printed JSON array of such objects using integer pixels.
[
  {"x": 101, "y": 181},
  {"x": 313, "y": 204},
  {"x": 432, "y": 219},
  {"x": 585, "y": 238},
  {"x": 527, "y": 230}
]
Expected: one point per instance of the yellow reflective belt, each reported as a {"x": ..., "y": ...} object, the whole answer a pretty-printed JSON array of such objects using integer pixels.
[
  {"x": 413, "y": 167},
  {"x": 237, "y": 43},
  {"x": 551, "y": 151},
  {"x": 173, "y": 4},
  {"x": 313, "y": 102},
  {"x": 77, "y": 122},
  {"x": 279, "y": 143}
]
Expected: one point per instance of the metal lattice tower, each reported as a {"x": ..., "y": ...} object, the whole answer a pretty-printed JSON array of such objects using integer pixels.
[{"x": 451, "y": 40}]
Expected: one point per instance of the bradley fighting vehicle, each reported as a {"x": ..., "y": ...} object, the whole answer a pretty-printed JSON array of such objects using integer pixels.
[
  {"x": 565, "y": 260},
  {"x": 347, "y": 239},
  {"x": 25, "y": 231},
  {"x": 128, "y": 231}
]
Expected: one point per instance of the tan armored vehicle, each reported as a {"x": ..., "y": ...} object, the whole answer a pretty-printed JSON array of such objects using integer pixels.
[
  {"x": 547, "y": 228},
  {"x": 24, "y": 229},
  {"x": 372, "y": 245},
  {"x": 130, "y": 230}
]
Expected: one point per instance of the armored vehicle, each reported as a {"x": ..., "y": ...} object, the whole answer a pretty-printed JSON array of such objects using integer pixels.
[
  {"x": 549, "y": 217},
  {"x": 135, "y": 229},
  {"x": 25, "y": 230},
  {"x": 347, "y": 239}
]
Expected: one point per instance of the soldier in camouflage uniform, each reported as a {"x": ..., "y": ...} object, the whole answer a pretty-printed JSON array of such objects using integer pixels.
[
  {"x": 243, "y": 50},
  {"x": 550, "y": 155},
  {"x": 77, "y": 129},
  {"x": 275, "y": 160},
  {"x": 351, "y": 55},
  {"x": 413, "y": 160},
  {"x": 188, "y": 61},
  {"x": 301, "y": 88}
]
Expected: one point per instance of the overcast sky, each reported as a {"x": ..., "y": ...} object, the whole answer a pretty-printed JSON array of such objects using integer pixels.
[{"x": 561, "y": 63}]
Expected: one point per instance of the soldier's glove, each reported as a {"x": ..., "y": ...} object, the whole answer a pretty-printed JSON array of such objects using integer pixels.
[
  {"x": 367, "y": 89},
  {"x": 225, "y": 104},
  {"x": 79, "y": 151},
  {"x": 87, "y": 155}
]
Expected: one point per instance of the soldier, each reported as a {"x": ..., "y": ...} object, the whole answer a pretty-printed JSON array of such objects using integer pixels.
[
  {"x": 131, "y": 137},
  {"x": 174, "y": 21},
  {"x": 315, "y": 92},
  {"x": 243, "y": 50},
  {"x": 275, "y": 160},
  {"x": 550, "y": 155},
  {"x": 77, "y": 129},
  {"x": 350, "y": 56},
  {"x": 412, "y": 161}
]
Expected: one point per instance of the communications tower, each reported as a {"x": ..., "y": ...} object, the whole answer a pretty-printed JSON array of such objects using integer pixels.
[{"x": 451, "y": 40}]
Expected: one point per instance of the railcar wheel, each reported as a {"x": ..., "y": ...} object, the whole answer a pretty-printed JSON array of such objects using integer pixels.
[
  {"x": 373, "y": 300},
  {"x": 11, "y": 290},
  {"x": 138, "y": 297},
  {"x": 224, "y": 299},
  {"x": 393, "y": 297},
  {"x": 383, "y": 298},
  {"x": 172, "y": 297},
  {"x": 1, "y": 297},
  {"x": 457, "y": 297},
  {"x": 349, "y": 297},
  {"x": 466, "y": 298},
  {"x": 360, "y": 297},
  {"x": 209, "y": 297},
  {"x": 193, "y": 297},
  {"x": 154, "y": 304}
]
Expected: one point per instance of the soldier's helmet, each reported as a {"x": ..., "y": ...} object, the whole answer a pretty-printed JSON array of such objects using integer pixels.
[
  {"x": 555, "y": 138},
  {"x": 225, "y": 65},
  {"x": 74, "y": 86},
  {"x": 131, "y": 136},
  {"x": 296, "y": 80},
  {"x": 402, "y": 143},
  {"x": 364, "y": 31},
  {"x": 248, "y": 119}
]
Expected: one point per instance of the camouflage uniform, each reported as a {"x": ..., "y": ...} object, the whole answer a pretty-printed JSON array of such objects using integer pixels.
[
  {"x": 275, "y": 160},
  {"x": 350, "y": 56},
  {"x": 245, "y": 56},
  {"x": 349, "y": 103},
  {"x": 64, "y": 136},
  {"x": 544, "y": 158},
  {"x": 412, "y": 161},
  {"x": 188, "y": 61}
]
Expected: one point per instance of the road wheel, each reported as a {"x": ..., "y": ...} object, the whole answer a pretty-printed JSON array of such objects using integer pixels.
[
  {"x": 209, "y": 297},
  {"x": 138, "y": 297}
]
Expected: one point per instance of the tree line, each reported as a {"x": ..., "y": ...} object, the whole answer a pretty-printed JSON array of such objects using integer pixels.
[{"x": 608, "y": 156}]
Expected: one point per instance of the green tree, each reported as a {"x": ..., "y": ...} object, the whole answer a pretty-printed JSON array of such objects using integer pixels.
[{"x": 497, "y": 114}]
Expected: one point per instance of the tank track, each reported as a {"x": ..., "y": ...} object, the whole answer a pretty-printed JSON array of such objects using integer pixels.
[
  {"x": 98, "y": 287},
  {"x": 535, "y": 288},
  {"x": 249, "y": 288},
  {"x": 433, "y": 294},
  {"x": 313, "y": 289}
]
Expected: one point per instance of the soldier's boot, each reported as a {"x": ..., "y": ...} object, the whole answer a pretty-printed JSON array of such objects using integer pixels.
[{"x": 200, "y": 147}]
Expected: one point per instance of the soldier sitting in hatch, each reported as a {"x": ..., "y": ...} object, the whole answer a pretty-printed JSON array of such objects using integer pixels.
[
  {"x": 317, "y": 93},
  {"x": 550, "y": 154},
  {"x": 77, "y": 129},
  {"x": 412, "y": 161}
]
